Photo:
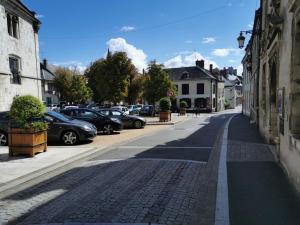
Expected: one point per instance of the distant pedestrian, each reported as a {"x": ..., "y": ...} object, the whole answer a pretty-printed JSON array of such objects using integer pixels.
[{"x": 197, "y": 111}]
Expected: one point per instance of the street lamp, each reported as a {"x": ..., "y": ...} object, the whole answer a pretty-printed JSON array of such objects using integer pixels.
[{"x": 241, "y": 38}]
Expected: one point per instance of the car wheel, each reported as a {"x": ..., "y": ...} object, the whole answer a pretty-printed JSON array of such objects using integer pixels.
[
  {"x": 3, "y": 139},
  {"x": 69, "y": 138},
  {"x": 137, "y": 124},
  {"x": 108, "y": 129}
]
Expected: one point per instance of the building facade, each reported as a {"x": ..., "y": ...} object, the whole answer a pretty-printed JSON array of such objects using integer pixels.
[
  {"x": 19, "y": 53},
  {"x": 278, "y": 91},
  {"x": 50, "y": 94},
  {"x": 199, "y": 87}
]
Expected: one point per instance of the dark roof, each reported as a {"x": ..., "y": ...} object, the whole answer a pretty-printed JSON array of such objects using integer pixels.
[
  {"x": 46, "y": 73},
  {"x": 189, "y": 73}
]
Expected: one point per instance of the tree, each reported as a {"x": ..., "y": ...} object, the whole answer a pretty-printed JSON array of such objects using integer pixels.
[
  {"x": 135, "y": 88},
  {"x": 109, "y": 78},
  {"x": 158, "y": 84},
  {"x": 71, "y": 86}
]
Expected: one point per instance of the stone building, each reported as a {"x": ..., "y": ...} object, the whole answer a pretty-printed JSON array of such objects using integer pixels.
[
  {"x": 49, "y": 93},
  {"x": 19, "y": 52},
  {"x": 199, "y": 87},
  {"x": 279, "y": 88}
]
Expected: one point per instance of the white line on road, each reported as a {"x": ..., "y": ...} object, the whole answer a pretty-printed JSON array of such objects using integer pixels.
[
  {"x": 222, "y": 206},
  {"x": 166, "y": 147}
]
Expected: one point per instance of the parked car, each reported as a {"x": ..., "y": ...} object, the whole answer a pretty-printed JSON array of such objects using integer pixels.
[
  {"x": 147, "y": 110},
  {"x": 133, "y": 109},
  {"x": 4, "y": 124},
  {"x": 68, "y": 130},
  {"x": 53, "y": 107},
  {"x": 139, "y": 106},
  {"x": 60, "y": 128},
  {"x": 103, "y": 123},
  {"x": 94, "y": 106},
  {"x": 121, "y": 108},
  {"x": 71, "y": 107},
  {"x": 129, "y": 121}
]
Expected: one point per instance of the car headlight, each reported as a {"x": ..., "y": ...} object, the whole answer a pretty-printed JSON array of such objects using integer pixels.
[{"x": 87, "y": 128}]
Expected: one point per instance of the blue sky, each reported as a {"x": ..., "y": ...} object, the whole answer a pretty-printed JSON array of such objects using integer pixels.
[{"x": 173, "y": 32}]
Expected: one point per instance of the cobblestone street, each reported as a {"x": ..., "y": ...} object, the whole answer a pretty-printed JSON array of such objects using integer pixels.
[{"x": 172, "y": 181}]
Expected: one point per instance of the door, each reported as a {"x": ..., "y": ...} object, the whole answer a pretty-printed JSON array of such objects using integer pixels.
[
  {"x": 91, "y": 117},
  {"x": 54, "y": 128}
]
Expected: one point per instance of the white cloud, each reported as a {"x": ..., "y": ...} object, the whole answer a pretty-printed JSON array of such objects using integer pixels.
[
  {"x": 250, "y": 25},
  {"x": 240, "y": 70},
  {"x": 137, "y": 56},
  {"x": 188, "y": 60},
  {"x": 72, "y": 64},
  {"x": 208, "y": 40},
  {"x": 39, "y": 16},
  {"x": 188, "y": 42},
  {"x": 127, "y": 28},
  {"x": 223, "y": 52},
  {"x": 231, "y": 60}
]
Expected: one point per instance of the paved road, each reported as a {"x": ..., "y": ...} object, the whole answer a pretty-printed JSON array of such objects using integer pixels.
[{"x": 165, "y": 178}]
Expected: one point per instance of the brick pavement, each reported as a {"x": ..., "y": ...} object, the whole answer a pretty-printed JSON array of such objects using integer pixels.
[{"x": 138, "y": 191}]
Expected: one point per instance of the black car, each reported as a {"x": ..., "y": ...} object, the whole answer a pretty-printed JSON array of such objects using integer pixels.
[
  {"x": 129, "y": 121},
  {"x": 68, "y": 130},
  {"x": 103, "y": 123},
  {"x": 147, "y": 110},
  {"x": 60, "y": 128},
  {"x": 4, "y": 124}
]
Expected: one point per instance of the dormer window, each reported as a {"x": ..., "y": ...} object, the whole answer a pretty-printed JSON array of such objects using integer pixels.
[{"x": 185, "y": 75}]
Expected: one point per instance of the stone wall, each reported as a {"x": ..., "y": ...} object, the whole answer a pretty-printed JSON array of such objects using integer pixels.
[{"x": 26, "y": 47}]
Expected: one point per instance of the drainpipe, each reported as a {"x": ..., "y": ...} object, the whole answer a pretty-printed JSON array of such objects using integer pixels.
[{"x": 37, "y": 63}]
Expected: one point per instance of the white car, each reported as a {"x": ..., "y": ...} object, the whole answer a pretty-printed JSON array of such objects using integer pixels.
[
  {"x": 121, "y": 108},
  {"x": 133, "y": 109},
  {"x": 52, "y": 107}
]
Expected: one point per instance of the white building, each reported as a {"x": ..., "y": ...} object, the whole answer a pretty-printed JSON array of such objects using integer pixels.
[
  {"x": 19, "y": 52},
  {"x": 199, "y": 87}
]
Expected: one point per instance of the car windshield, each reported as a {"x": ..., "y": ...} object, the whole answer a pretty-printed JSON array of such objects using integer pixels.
[{"x": 59, "y": 116}]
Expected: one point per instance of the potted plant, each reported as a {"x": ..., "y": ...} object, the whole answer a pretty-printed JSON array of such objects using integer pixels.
[
  {"x": 28, "y": 132},
  {"x": 165, "y": 113},
  {"x": 183, "y": 106}
]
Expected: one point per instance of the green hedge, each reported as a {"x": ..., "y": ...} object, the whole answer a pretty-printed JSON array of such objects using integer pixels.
[{"x": 165, "y": 104}]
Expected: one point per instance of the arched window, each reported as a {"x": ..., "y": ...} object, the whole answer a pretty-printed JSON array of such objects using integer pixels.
[{"x": 295, "y": 79}]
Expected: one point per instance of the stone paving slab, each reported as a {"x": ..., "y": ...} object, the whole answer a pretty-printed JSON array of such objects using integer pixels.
[{"x": 128, "y": 191}]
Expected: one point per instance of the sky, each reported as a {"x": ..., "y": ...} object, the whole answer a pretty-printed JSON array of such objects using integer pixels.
[{"x": 172, "y": 32}]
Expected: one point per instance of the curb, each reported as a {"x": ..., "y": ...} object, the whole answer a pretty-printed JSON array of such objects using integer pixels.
[{"x": 222, "y": 204}]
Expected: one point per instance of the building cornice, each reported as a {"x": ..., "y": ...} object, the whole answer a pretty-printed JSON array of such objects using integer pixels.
[{"x": 18, "y": 8}]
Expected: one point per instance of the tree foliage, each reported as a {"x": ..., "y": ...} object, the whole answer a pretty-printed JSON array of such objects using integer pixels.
[
  {"x": 112, "y": 79},
  {"x": 71, "y": 86},
  {"x": 158, "y": 84}
]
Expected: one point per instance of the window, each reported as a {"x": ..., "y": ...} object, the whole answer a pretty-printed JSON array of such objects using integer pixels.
[
  {"x": 185, "y": 89},
  {"x": 214, "y": 89},
  {"x": 116, "y": 113},
  {"x": 176, "y": 86},
  {"x": 12, "y": 25},
  {"x": 200, "y": 89},
  {"x": 214, "y": 103},
  {"x": 14, "y": 65},
  {"x": 185, "y": 75},
  {"x": 88, "y": 114}
]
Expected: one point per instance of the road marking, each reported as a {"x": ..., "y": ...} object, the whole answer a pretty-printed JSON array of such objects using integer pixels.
[
  {"x": 222, "y": 206},
  {"x": 166, "y": 147}
]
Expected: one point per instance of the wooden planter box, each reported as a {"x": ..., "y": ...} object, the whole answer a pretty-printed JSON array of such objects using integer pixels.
[
  {"x": 182, "y": 112},
  {"x": 164, "y": 116},
  {"x": 29, "y": 142}
]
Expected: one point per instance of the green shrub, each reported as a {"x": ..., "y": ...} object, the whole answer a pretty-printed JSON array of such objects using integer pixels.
[
  {"x": 27, "y": 111},
  {"x": 226, "y": 103},
  {"x": 164, "y": 104},
  {"x": 183, "y": 104}
]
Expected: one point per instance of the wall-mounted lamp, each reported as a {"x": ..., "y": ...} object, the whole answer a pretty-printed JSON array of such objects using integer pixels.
[{"x": 241, "y": 38}]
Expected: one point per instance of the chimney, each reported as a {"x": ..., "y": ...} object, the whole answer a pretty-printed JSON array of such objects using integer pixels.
[
  {"x": 45, "y": 63},
  {"x": 211, "y": 68},
  {"x": 200, "y": 63}
]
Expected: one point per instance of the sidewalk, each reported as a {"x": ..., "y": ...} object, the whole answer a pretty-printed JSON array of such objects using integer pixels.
[
  {"x": 175, "y": 118},
  {"x": 259, "y": 190}
]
